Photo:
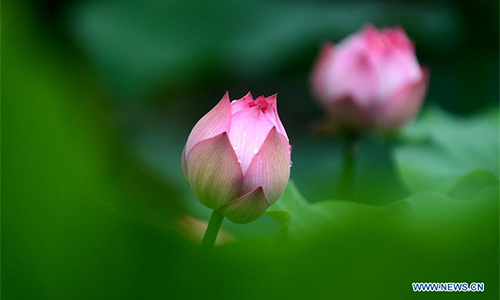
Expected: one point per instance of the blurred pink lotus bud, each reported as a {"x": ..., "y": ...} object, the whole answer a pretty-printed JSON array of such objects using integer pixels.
[
  {"x": 237, "y": 157},
  {"x": 372, "y": 79}
]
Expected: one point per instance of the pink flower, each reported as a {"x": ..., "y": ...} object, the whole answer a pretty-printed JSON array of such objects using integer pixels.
[
  {"x": 237, "y": 157},
  {"x": 372, "y": 79}
]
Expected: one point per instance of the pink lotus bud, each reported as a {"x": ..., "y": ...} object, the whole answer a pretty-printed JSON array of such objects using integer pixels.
[
  {"x": 372, "y": 79},
  {"x": 237, "y": 157}
]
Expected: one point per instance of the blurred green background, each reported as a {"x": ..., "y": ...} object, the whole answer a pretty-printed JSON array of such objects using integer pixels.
[{"x": 100, "y": 97}]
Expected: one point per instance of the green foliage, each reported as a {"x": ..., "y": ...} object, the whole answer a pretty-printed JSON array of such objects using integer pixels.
[
  {"x": 478, "y": 191},
  {"x": 153, "y": 44},
  {"x": 428, "y": 236},
  {"x": 447, "y": 148}
]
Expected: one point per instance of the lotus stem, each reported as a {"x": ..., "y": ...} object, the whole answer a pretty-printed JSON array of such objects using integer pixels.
[
  {"x": 212, "y": 230},
  {"x": 347, "y": 176}
]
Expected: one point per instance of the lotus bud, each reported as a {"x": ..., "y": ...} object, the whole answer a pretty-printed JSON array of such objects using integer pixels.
[
  {"x": 237, "y": 157},
  {"x": 372, "y": 79}
]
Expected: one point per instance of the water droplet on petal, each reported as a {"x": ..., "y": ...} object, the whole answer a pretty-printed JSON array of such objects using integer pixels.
[
  {"x": 235, "y": 148},
  {"x": 255, "y": 150},
  {"x": 291, "y": 164}
]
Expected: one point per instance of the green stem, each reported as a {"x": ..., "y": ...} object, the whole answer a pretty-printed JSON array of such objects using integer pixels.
[
  {"x": 346, "y": 183},
  {"x": 212, "y": 230}
]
